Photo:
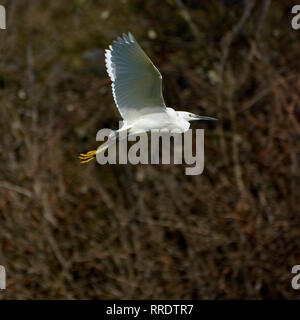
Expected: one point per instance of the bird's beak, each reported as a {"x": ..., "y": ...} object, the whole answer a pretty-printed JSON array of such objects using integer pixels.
[{"x": 204, "y": 118}]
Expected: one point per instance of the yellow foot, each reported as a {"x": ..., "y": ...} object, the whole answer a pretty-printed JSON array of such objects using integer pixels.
[{"x": 86, "y": 157}]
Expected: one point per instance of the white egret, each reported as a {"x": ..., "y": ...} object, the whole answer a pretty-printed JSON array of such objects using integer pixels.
[{"x": 137, "y": 91}]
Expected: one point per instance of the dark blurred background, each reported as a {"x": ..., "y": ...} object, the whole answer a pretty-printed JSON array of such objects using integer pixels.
[{"x": 72, "y": 231}]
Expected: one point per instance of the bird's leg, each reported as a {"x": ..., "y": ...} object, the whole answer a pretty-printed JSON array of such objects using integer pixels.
[
  {"x": 90, "y": 155},
  {"x": 86, "y": 157}
]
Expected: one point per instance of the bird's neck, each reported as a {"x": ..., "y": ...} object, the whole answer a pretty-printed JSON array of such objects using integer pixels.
[{"x": 171, "y": 113}]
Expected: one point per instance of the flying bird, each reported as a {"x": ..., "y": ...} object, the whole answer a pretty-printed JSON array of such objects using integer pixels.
[{"x": 137, "y": 91}]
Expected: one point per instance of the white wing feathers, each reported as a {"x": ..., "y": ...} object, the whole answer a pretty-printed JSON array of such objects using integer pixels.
[{"x": 136, "y": 83}]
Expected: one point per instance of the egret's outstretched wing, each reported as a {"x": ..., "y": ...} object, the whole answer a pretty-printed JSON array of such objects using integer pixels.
[{"x": 136, "y": 83}]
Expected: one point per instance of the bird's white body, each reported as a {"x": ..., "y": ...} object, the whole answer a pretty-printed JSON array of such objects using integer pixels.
[
  {"x": 137, "y": 91},
  {"x": 169, "y": 120}
]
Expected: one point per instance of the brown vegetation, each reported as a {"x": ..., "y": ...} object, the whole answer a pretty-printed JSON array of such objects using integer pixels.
[{"x": 72, "y": 231}]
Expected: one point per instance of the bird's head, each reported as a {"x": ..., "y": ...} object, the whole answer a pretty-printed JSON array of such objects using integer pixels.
[{"x": 188, "y": 116}]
